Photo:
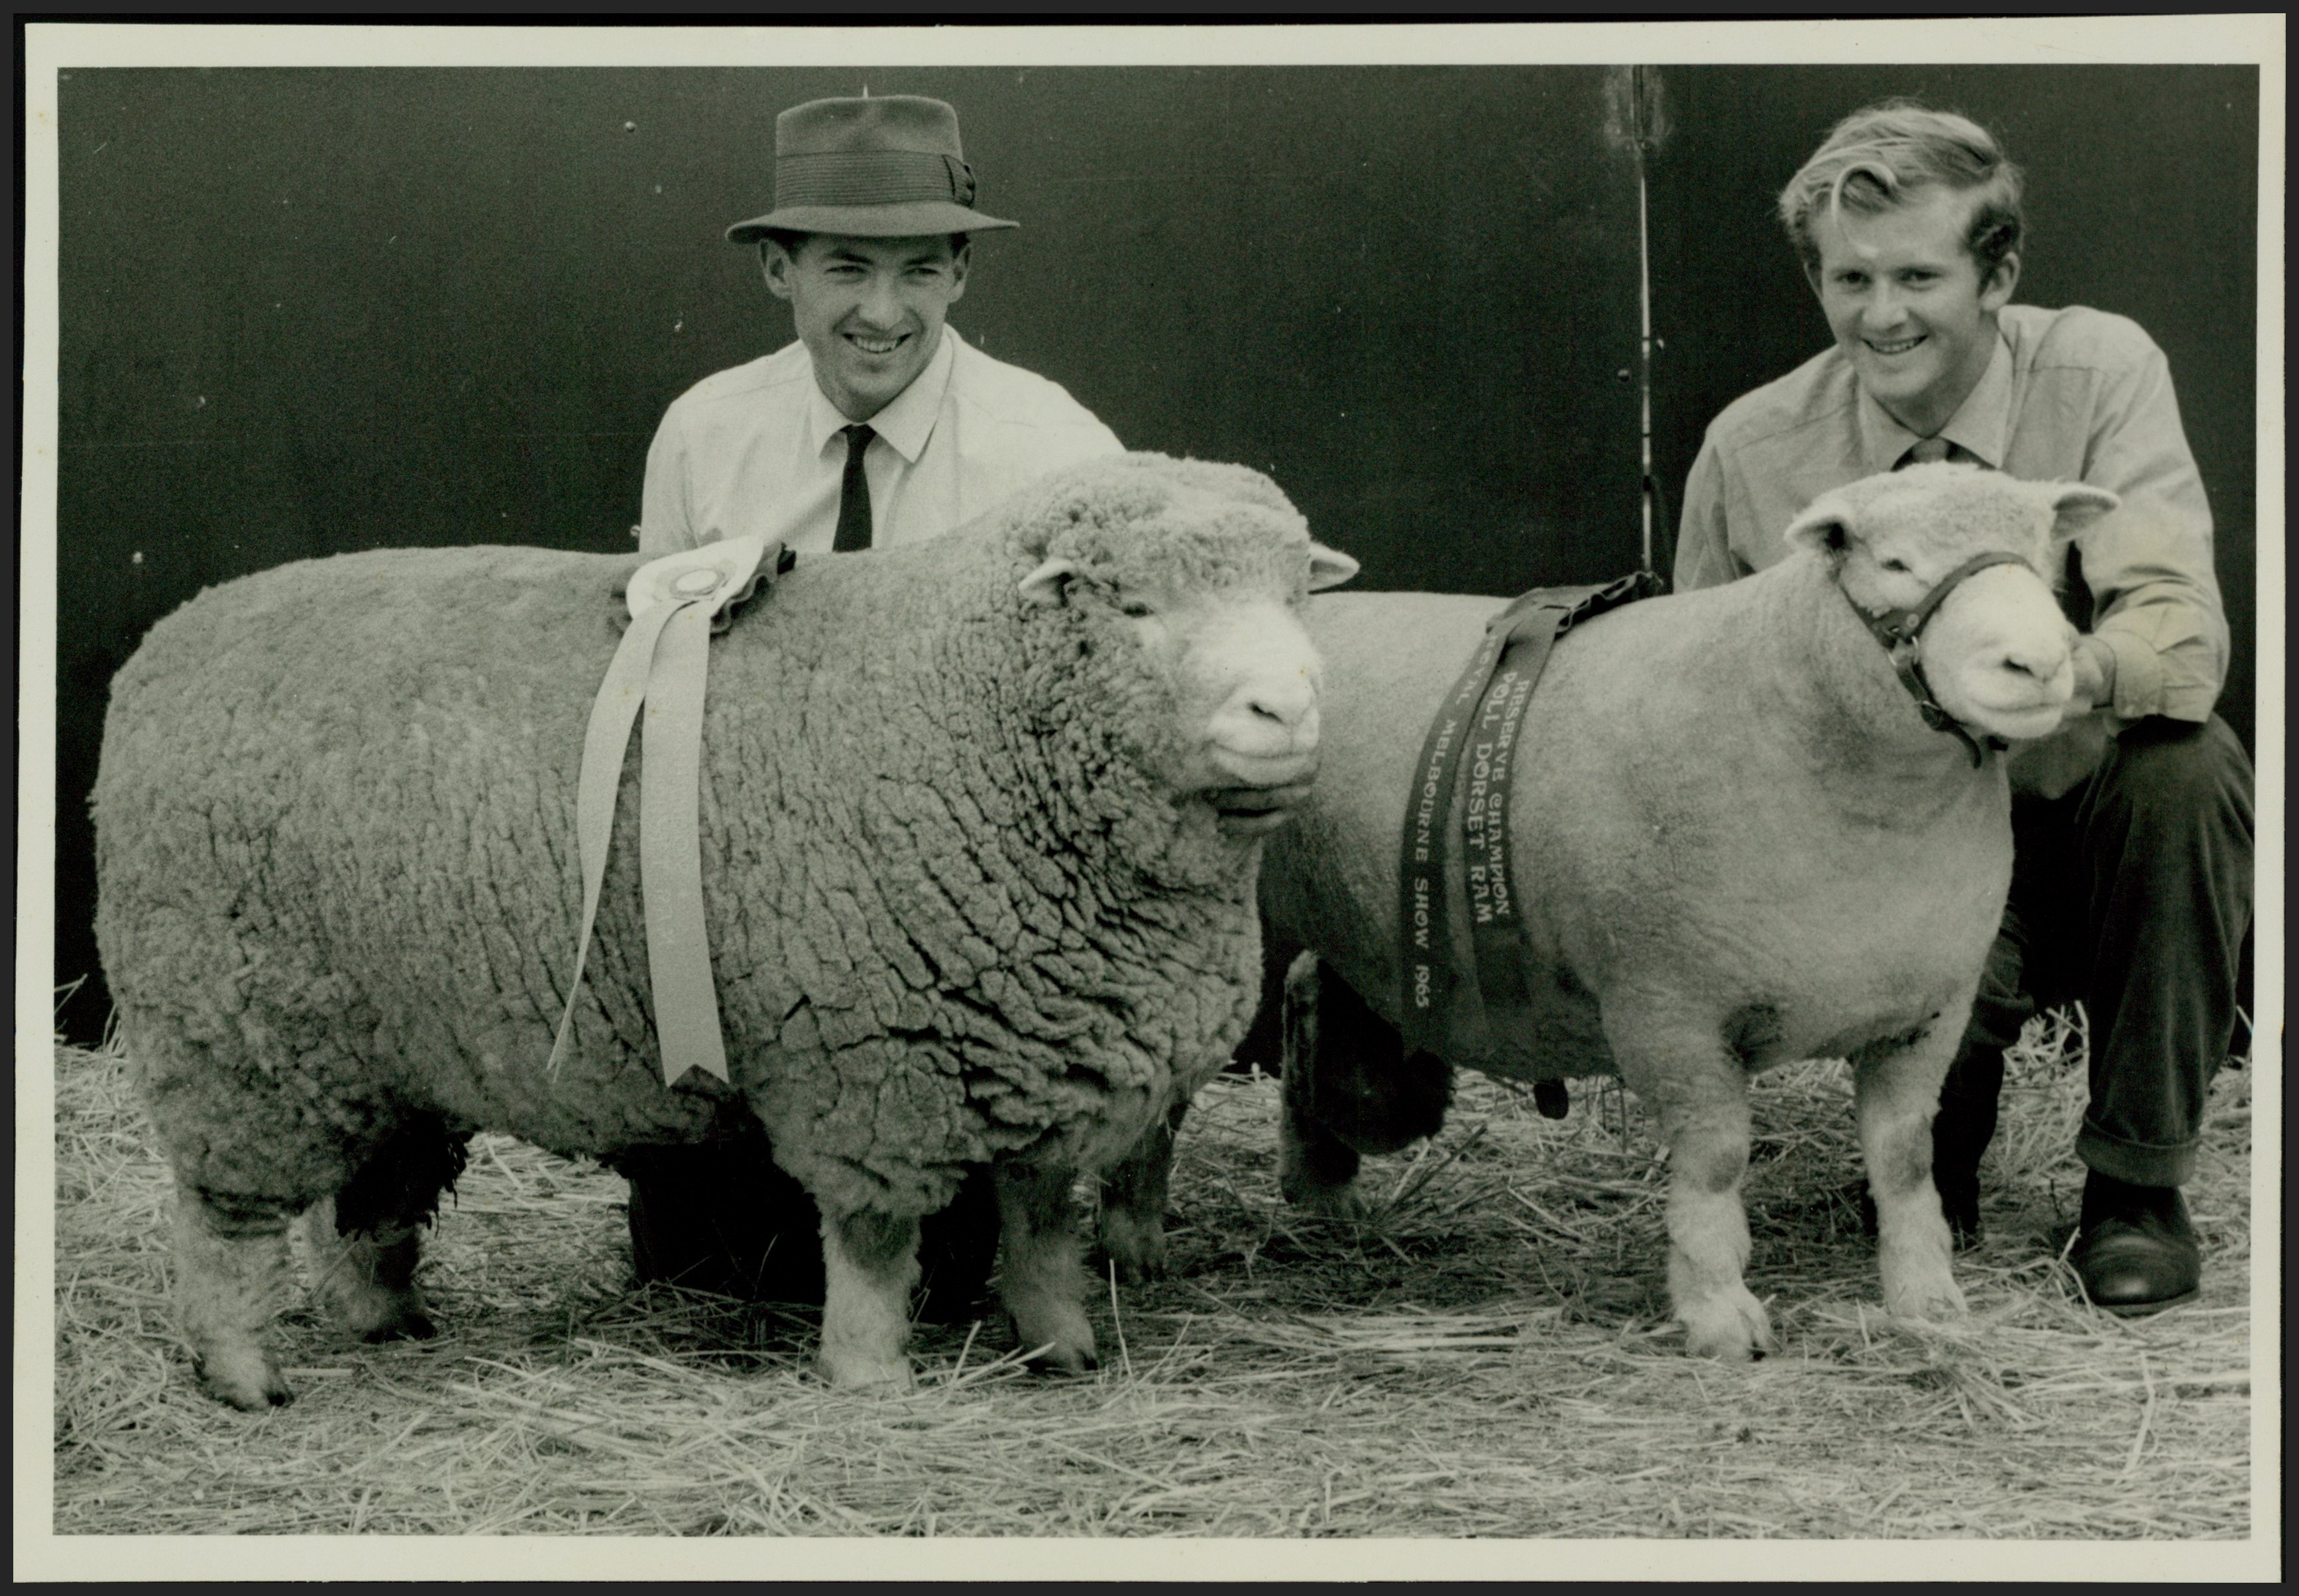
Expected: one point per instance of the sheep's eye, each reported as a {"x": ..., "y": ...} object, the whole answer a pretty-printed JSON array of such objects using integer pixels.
[
  {"x": 1134, "y": 609},
  {"x": 1896, "y": 567}
]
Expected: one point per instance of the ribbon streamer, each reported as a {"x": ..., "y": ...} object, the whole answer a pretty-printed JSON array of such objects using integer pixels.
[{"x": 662, "y": 665}]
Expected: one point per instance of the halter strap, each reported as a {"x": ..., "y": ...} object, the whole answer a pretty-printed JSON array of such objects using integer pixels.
[{"x": 1899, "y": 631}]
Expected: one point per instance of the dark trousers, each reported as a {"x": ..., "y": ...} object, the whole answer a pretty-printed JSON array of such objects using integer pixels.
[
  {"x": 2132, "y": 892},
  {"x": 723, "y": 1217}
]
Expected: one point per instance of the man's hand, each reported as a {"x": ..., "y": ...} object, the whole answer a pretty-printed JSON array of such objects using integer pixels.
[
  {"x": 2095, "y": 663},
  {"x": 2049, "y": 765}
]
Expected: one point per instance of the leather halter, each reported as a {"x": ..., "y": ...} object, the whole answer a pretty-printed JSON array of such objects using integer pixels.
[{"x": 1901, "y": 630}]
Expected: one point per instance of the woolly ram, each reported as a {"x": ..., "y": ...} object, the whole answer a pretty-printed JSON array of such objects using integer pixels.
[{"x": 980, "y": 823}]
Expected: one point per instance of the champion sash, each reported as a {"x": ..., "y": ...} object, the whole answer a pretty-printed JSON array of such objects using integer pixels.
[{"x": 1475, "y": 730}]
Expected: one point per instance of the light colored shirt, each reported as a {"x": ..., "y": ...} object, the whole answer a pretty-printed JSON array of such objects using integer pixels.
[
  {"x": 757, "y": 448},
  {"x": 2072, "y": 395}
]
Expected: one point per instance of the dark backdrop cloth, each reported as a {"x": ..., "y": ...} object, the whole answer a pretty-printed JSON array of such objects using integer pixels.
[{"x": 305, "y": 311}]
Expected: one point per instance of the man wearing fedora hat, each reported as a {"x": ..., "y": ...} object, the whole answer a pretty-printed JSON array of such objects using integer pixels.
[{"x": 879, "y": 426}]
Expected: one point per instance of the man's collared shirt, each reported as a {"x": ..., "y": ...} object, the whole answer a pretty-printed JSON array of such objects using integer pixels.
[
  {"x": 2073, "y": 396},
  {"x": 760, "y": 449}
]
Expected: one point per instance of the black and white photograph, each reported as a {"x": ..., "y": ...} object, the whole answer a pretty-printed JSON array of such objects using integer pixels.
[{"x": 1350, "y": 801}]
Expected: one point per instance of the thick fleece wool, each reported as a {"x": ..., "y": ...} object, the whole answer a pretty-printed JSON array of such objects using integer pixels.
[{"x": 956, "y": 906}]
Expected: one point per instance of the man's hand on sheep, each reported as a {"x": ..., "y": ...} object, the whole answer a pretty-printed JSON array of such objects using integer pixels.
[
  {"x": 2094, "y": 677},
  {"x": 979, "y": 833}
]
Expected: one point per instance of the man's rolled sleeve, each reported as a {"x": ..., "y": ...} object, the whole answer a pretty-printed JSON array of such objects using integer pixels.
[
  {"x": 1703, "y": 543},
  {"x": 665, "y": 526},
  {"x": 2149, "y": 564}
]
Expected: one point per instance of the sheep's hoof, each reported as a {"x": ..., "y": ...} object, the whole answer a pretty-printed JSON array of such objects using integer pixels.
[
  {"x": 849, "y": 1370},
  {"x": 1137, "y": 1246},
  {"x": 378, "y": 1314},
  {"x": 1056, "y": 1338},
  {"x": 1070, "y": 1359},
  {"x": 246, "y": 1379},
  {"x": 1319, "y": 1201},
  {"x": 414, "y": 1324},
  {"x": 1730, "y": 1325},
  {"x": 1930, "y": 1296}
]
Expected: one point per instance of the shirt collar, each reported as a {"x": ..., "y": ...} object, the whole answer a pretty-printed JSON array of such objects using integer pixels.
[
  {"x": 907, "y": 422},
  {"x": 1979, "y": 427}
]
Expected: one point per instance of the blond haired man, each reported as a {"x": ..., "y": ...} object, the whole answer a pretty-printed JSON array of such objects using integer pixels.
[{"x": 2133, "y": 824}]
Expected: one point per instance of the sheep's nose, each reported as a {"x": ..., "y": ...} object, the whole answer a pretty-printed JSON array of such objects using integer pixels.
[
  {"x": 2041, "y": 663},
  {"x": 1272, "y": 716},
  {"x": 1287, "y": 700}
]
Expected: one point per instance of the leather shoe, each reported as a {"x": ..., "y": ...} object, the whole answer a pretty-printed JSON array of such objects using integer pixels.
[{"x": 2136, "y": 1250}]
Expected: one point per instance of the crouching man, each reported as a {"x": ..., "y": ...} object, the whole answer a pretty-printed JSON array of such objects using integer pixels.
[
  {"x": 878, "y": 426},
  {"x": 2132, "y": 883}
]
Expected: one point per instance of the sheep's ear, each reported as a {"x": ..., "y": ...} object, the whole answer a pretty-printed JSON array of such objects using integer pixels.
[
  {"x": 2077, "y": 505},
  {"x": 1826, "y": 525},
  {"x": 1329, "y": 567},
  {"x": 1047, "y": 583}
]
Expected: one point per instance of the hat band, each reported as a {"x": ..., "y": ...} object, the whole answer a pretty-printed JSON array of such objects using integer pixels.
[{"x": 871, "y": 178}]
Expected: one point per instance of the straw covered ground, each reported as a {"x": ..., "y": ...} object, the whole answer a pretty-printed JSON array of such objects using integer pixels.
[{"x": 1491, "y": 1357}]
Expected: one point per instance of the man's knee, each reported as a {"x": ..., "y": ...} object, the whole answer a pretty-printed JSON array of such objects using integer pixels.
[{"x": 2177, "y": 778}]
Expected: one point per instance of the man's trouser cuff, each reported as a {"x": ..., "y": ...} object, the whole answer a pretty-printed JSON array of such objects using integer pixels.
[{"x": 2135, "y": 1163}]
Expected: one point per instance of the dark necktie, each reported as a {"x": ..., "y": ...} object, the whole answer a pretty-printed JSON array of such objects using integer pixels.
[
  {"x": 854, "y": 494},
  {"x": 1925, "y": 451}
]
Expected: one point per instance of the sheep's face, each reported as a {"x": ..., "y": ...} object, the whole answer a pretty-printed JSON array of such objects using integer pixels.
[
  {"x": 1997, "y": 652},
  {"x": 1193, "y": 614}
]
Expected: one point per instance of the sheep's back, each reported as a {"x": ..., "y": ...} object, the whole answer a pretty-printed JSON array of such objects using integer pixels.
[
  {"x": 337, "y": 837},
  {"x": 1699, "y": 853},
  {"x": 1670, "y": 849},
  {"x": 336, "y": 833},
  {"x": 357, "y": 776}
]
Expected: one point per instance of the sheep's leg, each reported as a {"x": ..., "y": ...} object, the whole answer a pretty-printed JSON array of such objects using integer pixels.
[
  {"x": 1895, "y": 1093},
  {"x": 869, "y": 1263},
  {"x": 1134, "y": 1201},
  {"x": 1039, "y": 1279},
  {"x": 366, "y": 1239},
  {"x": 231, "y": 1266},
  {"x": 1699, "y": 1091},
  {"x": 367, "y": 1277},
  {"x": 1316, "y": 1170}
]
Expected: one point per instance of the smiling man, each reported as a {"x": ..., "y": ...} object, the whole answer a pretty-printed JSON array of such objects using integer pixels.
[
  {"x": 879, "y": 426},
  {"x": 2133, "y": 822}
]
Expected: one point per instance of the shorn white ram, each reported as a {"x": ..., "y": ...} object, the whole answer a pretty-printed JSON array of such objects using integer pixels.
[
  {"x": 1737, "y": 844},
  {"x": 979, "y": 822}
]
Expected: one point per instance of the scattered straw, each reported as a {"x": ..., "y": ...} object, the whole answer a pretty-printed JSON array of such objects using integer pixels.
[{"x": 1491, "y": 1356}]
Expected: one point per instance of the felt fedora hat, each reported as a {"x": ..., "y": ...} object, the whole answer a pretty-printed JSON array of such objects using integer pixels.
[{"x": 887, "y": 167}]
